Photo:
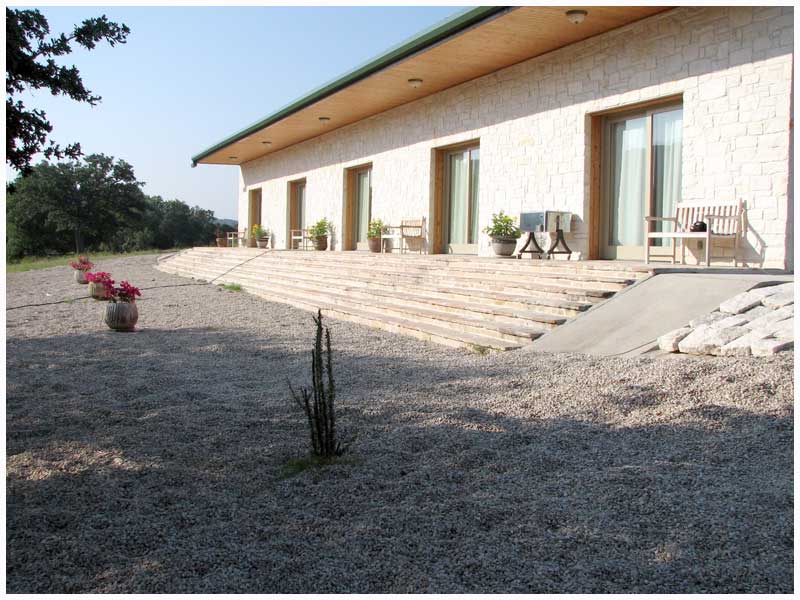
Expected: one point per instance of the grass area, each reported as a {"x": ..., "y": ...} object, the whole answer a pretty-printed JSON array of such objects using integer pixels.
[
  {"x": 295, "y": 466},
  {"x": 232, "y": 287},
  {"x": 32, "y": 263}
]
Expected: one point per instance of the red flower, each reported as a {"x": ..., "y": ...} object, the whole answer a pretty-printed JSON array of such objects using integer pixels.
[
  {"x": 83, "y": 264},
  {"x": 124, "y": 293},
  {"x": 99, "y": 277}
]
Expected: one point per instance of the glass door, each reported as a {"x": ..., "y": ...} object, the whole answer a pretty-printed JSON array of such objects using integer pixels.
[
  {"x": 642, "y": 177},
  {"x": 461, "y": 201},
  {"x": 362, "y": 206},
  {"x": 297, "y": 211}
]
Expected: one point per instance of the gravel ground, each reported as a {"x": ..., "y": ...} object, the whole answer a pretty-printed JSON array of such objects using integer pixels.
[{"x": 156, "y": 461}]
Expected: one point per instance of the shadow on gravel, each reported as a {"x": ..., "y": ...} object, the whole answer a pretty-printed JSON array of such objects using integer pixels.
[{"x": 155, "y": 466}]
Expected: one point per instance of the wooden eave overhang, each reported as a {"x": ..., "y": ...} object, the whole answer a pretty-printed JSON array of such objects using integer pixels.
[{"x": 471, "y": 44}]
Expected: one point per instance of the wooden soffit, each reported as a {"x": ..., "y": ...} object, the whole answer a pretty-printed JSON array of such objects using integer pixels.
[{"x": 503, "y": 38}]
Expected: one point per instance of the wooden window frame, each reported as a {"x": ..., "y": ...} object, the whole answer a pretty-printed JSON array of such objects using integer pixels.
[{"x": 596, "y": 150}]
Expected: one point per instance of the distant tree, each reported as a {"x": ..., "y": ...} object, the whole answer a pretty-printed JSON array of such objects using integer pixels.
[
  {"x": 30, "y": 66},
  {"x": 73, "y": 201}
]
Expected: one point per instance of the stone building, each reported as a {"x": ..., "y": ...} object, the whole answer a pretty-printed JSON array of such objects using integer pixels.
[{"x": 612, "y": 114}]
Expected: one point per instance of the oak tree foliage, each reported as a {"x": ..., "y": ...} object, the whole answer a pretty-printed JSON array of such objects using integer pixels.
[
  {"x": 96, "y": 204},
  {"x": 31, "y": 65}
]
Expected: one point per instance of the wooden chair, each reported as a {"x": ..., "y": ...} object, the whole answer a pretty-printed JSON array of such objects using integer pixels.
[
  {"x": 412, "y": 232},
  {"x": 724, "y": 220},
  {"x": 409, "y": 235},
  {"x": 300, "y": 236},
  {"x": 237, "y": 238}
]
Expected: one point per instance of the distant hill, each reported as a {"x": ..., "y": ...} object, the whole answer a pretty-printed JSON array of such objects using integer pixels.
[{"x": 231, "y": 222}]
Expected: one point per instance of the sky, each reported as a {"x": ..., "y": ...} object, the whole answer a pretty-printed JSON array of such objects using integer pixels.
[{"x": 190, "y": 76}]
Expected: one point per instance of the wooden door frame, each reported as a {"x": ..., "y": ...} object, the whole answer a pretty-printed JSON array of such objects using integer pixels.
[
  {"x": 251, "y": 196},
  {"x": 291, "y": 193},
  {"x": 348, "y": 206},
  {"x": 596, "y": 179},
  {"x": 436, "y": 209}
]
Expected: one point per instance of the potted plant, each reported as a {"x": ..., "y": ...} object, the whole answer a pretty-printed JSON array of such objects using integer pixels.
[
  {"x": 374, "y": 230},
  {"x": 80, "y": 267},
  {"x": 319, "y": 232},
  {"x": 98, "y": 283},
  {"x": 222, "y": 241},
  {"x": 504, "y": 234},
  {"x": 121, "y": 312},
  {"x": 251, "y": 238},
  {"x": 261, "y": 236}
]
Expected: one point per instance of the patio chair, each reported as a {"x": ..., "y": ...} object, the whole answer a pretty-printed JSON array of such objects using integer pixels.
[
  {"x": 412, "y": 233},
  {"x": 237, "y": 238},
  {"x": 299, "y": 239}
]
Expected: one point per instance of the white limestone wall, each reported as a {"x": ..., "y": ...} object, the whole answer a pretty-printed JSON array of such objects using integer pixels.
[{"x": 733, "y": 66}]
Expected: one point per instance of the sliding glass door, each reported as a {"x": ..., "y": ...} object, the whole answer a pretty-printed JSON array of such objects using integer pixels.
[
  {"x": 297, "y": 209},
  {"x": 362, "y": 204},
  {"x": 642, "y": 177},
  {"x": 461, "y": 200}
]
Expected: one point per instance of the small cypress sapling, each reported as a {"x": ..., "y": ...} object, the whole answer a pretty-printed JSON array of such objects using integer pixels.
[{"x": 319, "y": 403}]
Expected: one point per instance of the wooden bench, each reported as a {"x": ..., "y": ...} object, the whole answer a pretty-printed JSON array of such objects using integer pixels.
[{"x": 724, "y": 220}]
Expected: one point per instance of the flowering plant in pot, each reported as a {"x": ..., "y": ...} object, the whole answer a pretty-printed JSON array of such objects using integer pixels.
[
  {"x": 504, "y": 233},
  {"x": 80, "y": 267},
  {"x": 97, "y": 284},
  {"x": 319, "y": 231},
  {"x": 374, "y": 230},
  {"x": 121, "y": 312},
  {"x": 261, "y": 236}
]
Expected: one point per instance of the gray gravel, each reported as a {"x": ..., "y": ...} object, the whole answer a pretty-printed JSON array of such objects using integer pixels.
[{"x": 156, "y": 461}]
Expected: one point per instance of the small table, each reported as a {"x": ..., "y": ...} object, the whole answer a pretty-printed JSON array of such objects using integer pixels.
[{"x": 545, "y": 221}]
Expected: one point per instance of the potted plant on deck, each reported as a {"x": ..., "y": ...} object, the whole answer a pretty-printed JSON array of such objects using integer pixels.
[
  {"x": 374, "y": 231},
  {"x": 261, "y": 236},
  {"x": 504, "y": 233},
  {"x": 319, "y": 233},
  {"x": 98, "y": 284},
  {"x": 222, "y": 241},
  {"x": 80, "y": 267},
  {"x": 121, "y": 312}
]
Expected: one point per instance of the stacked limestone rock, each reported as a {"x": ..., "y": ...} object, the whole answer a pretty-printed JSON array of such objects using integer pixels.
[{"x": 758, "y": 322}]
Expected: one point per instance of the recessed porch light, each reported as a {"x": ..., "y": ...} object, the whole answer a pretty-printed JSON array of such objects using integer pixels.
[
  {"x": 266, "y": 142},
  {"x": 415, "y": 83},
  {"x": 576, "y": 16},
  {"x": 324, "y": 119},
  {"x": 233, "y": 157}
]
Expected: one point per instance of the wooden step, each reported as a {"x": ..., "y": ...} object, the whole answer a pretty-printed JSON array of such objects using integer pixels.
[
  {"x": 524, "y": 330},
  {"x": 457, "y": 295},
  {"x": 457, "y": 301}
]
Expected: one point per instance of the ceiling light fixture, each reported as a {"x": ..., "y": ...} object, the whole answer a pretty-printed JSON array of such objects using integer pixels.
[
  {"x": 415, "y": 83},
  {"x": 233, "y": 157},
  {"x": 576, "y": 16},
  {"x": 324, "y": 119},
  {"x": 267, "y": 143}
]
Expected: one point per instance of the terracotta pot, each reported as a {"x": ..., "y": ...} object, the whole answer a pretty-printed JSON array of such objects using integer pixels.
[
  {"x": 251, "y": 242},
  {"x": 263, "y": 243},
  {"x": 374, "y": 244},
  {"x": 504, "y": 246},
  {"x": 121, "y": 316},
  {"x": 222, "y": 242},
  {"x": 97, "y": 290},
  {"x": 80, "y": 276},
  {"x": 321, "y": 242}
]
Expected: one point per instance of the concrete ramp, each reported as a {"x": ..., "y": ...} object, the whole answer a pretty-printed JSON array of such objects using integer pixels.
[{"x": 631, "y": 321}]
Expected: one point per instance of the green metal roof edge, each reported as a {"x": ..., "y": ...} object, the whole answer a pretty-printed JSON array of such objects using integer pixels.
[{"x": 422, "y": 40}]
